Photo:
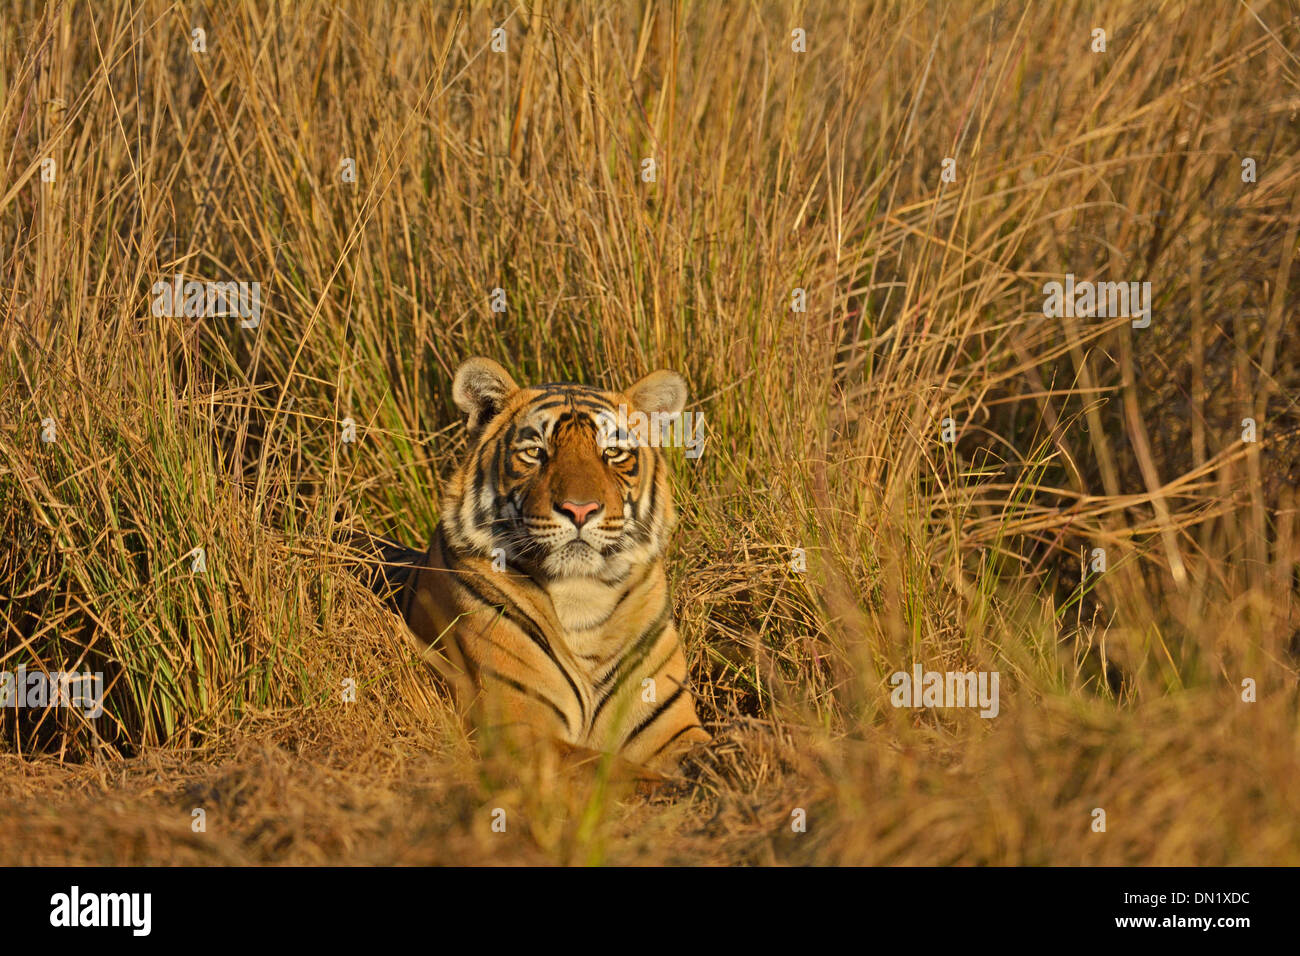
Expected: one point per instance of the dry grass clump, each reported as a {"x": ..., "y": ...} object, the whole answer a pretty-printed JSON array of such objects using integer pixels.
[{"x": 774, "y": 170}]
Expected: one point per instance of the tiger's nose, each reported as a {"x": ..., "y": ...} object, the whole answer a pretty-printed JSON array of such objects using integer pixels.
[{"x": 579, "y": 512}]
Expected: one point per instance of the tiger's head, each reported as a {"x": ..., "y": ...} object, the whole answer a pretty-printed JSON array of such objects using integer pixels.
[{"x": 553, "y": 481}]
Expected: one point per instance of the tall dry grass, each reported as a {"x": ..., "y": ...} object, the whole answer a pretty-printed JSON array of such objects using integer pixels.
[{"x": 522, "y": 170}]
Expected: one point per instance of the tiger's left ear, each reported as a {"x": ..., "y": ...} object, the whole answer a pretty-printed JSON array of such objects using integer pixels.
[
  {"x": 662, "y": 391},
  {"x": 480, "y": 391}
]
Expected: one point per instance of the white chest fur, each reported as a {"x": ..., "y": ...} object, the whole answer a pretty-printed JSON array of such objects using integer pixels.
[{"x": 583, "y": 605}]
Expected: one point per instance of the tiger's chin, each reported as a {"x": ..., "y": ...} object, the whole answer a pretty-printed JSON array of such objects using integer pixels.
[{"x": 575, "y": 559}]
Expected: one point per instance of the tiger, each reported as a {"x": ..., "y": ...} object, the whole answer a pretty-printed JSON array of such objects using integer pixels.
[{"x": 542, "y": 600}]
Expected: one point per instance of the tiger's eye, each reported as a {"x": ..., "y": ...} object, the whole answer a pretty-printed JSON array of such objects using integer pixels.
[{"x": 530, "y": 456}]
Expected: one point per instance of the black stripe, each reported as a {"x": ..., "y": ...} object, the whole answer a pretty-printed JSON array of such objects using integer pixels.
[
  {"x": 579, "y": 422},
  {"x": 485, "y": 439},
  {"x": 643, "y": 529},
  {"x": 496, "y": 645},
  {"x": 623, "y": 669},
  {"x": 671, "y": 739},
  {"x": 470, "y": 664},
  {"x": 585, "y": 404},
  {"x": 481, "y": 474},
  {"x": 528, "y": 692},
  {"x": 482, "y": 514},
  {"x": 551, "y": 388},
  {"x": 544, "y": 406},
  {"x": 632, "y": 587},
  {"x": 681, "y": 689},
  {"x": 643, "y": 643}
]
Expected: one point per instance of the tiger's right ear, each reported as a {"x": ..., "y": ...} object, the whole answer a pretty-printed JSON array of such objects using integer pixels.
[{"x": 480, "y": 391}]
